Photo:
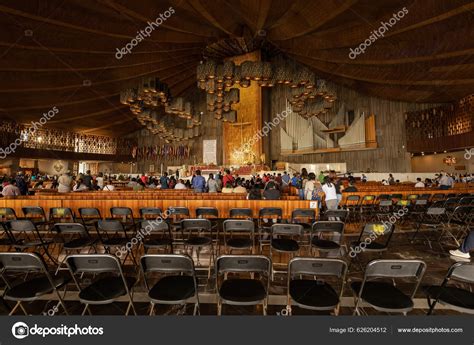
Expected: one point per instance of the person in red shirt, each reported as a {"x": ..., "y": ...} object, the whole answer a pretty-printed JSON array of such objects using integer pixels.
[{"x": 228, "y": 178}]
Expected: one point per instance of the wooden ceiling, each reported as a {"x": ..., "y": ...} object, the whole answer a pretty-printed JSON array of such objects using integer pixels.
[{"x": 62, "y": 52}]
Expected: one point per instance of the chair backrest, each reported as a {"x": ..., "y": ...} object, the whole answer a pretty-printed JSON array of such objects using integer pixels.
[
  {"x": 421, "y": 202},
  {"x": 21, "y": 225},
  {"x": 196, "y": 224},
  {"x": 93, "y": 263},
  {"x": 178, "y": 211},
  {"x": 243, "y": 263},
  {"x": 110, "y": 225},
  {"x": 149, "y": 212},
  {"x": 70, "y": 228},
  {"x": 385, "y": 203},
  {"x": 368, "y": 199},
  {"x": 167, "y": 263},
  {"x": 60, "y": 212},
  {"x": 89, "y": 212},
  {"x": 340, "y": 215},
  {"x": 307, "y": 213},
  {"x": 395, "y": 269},
  {"x": 353, "y": 199},
  {"x": 7, "y": 213},
  {"x": 328, "y": 226},
  {"x": 467, "y": 200},
  {"x": 379, "y": 229},
  {"x": 384, "y": 197},
  {"x": 151, "y": 226},
  {"x": 451, "y": 202},
  {"x": 243, "y": 225},
  {"x": 207, "y": 212},
  {"x": 405, "y": 202},
  {"x": 412, "y": 196},
  {"x": 33, "y": 212},
  {"x": 435, "y": 211},
  {"x": 438, "y": 196},
  {"x": 270, "y": 211},
  {"x": 22, "y": 262},
  {"x": 461, "y": 271},
  {"x": 240, "y": 213},
  {"x": 121, "y": 212},
  {"x": 287, "y": 229},
  {"x": 317, "y": 267}
]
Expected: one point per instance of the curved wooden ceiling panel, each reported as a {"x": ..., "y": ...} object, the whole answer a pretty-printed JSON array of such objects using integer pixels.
[{"x": 50, "y": 49}]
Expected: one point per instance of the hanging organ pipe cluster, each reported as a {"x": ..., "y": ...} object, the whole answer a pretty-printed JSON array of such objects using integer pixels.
[
  {"x": 310, "y": 96},
  {"x": 173, "y": 119}
]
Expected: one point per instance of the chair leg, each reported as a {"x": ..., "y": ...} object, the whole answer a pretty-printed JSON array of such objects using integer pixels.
[
  {"x": 264, "y": 307},
  {"x": 219, "y": 307},
  {"x": 14, "y": 308},
  {"x": 197, "y": 310},
  {"x": 152, "y": 309}
]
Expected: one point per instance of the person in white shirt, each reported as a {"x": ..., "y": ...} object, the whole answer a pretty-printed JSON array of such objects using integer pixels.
[
  {"x": 419, "y": 183},
  {"x": 309, "y": 186},
  {"x": 329, "y": 190},
  {"x": 11, "y": 189},
  {"x": 109, "y": 186},
  {"x": 385, "y": 183},
  {"x": 180, "y": 185},
  {"x": 228, "y": 188},
  {"x": 239, "y": 189},
  {"x": 100, "y": 180},
  {"x": 64, "y": 183}
]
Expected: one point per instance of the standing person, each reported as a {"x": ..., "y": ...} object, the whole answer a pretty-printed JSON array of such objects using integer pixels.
[
  {"x": 172, "y": 182},
  {"x": 64, "y": 182},
  {"x": 271, "y": 192},
  {"x": 100, "y": 180},
  {"x": 109, "y": 187},
  {"x": 391, "y": 180},
  {"x": 87, "y": 179},
  {"x": 164, "y": 181},
  {"x": 199, "y": 182},
  {"x": 286, "y": 179},
  {"x": 321, "y": 177},
  {"x": 329, "y": 190},
  {"x": 21, "y": 184},
  {"x": 212, "y": 186},
  {"x": 363, "y": 178},
  {"x": 310, "y": 186},
  {"x": 228, "y": 178},
  {"x": 445, "y": 182},
  {"x": 79, "y": 186},
  {"x": 338, "y": 185}
]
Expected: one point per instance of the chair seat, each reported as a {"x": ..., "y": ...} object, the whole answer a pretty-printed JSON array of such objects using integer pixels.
[
  {"x": 79, "y": 243},
  {"x": 313, "y": 293},
  {"x": 158, "y": 242},
  {"x": 242, "y": 290},
  {"x": 239, "y": 243},
  {"x": 325, "y": 244},
  {"x": 198, "y": 241},
  {"x": 173, "y": 288},
  {"x": 451, "y": 295},
  {"x": 35, "y": 288},
  {"x": 431, "y": 223},
  {"x": 118, "y": 241},
  {"x": 285, "y": 245},
  {"x": 106, "y": 289},
  {"x": 383, "y": 296},
  {"x": 30, "y": 244}
]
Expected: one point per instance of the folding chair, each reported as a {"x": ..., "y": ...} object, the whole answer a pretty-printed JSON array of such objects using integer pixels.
[
  {"x": 75, "y": 238},
  {"x": 454, "y": 297},
  {"x": 303, "y": 216},
  {"x": 176, "y": 215},
  {"x": 210, "y": 213},
  {"x": 108, "y": 283},
  {"x": 378, "y": 289},
  {"x": 466, "y": 200},
  {"x": 37, "y": 283},
  {"x": 366, "y": 207},
  {"x": 352, "y": 205},
  {"x": 177, "y": 286},
  {"x": 384, "y": 209},
  {"x": 6, "y": 214},
  {"x": 457, "y": 224},
  {"x": 157, "y": 235},
  {"x": 197, "y": 234},
  {"x": 242, "y": 291},
  {"x": 245, "y": 213},
  {"x": 327, "y": 237},
  {"x": 285, "y": 239},
  {"x": 315, "y": 293},
  {"x": 147, "y": 213},
  {"x": 125, "y": 216},
  {"x": 113, "y": 235},
  {"x": 238, "y": 235},
  {"x": 25, "y": 236},
  {"x": 432, "y": 220},
  {"x": 267, "y": 216},
  {"x": 35, "y": 214}
]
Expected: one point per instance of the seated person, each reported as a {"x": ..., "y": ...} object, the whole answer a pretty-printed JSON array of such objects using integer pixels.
[
  {"x": 239, "y": 188},
  {"x": 109, "y": 186},
  {"x": 466, "y": 246},
  {"x": 419, "y": 183},
  {"x": 255, "y": 193},
  {"x": 271, "y": 192},
  {"x": 228, "y": 188},
  {"x": 180, "y": 185},
  {"x": 10, "y": 188},
  {"x": 351, "y": 188},
  {"x": 80, "y": 186}
]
